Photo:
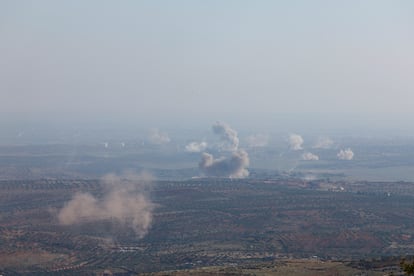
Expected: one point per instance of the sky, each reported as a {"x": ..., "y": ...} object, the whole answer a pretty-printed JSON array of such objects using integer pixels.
[{"x": 154, "y": 61}]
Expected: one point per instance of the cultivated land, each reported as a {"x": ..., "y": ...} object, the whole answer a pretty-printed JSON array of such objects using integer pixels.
[{"x": 209, "y": 226}]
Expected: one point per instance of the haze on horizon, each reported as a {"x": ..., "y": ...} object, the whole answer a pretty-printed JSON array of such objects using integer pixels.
[{"x": 196, "y": 61}]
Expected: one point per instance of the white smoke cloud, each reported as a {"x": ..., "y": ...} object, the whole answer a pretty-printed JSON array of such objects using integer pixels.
[
  {"x": 227, "y": 135},
  {"x": 258, "y": 140},
  {"x": 323, "y": 143},
  {"x": 295, "y": 142},
  {"x": 233, "y": 166},
  {"x": 158, "y": 137},
  {"x": 196, "y": 147},
  {"x": 308, "y": 156},
  {"x": 346, "y": 154},
  {"x": 124, "y": 200}
]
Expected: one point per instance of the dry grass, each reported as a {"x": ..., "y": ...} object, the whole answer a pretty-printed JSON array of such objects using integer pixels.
[
  {"x": 27, "y": 259},
  {"x": 302, "y": 267}
]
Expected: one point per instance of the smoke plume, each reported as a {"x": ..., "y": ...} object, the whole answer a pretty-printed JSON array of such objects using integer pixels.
[
  {"x": 258, "y": 140},
  {"x": 196, "y": 147},
  {"x": 124, "y": 200},
  {"x": 158, "y": 137},
  {"x": 346, "y": 154},
  {"x": 308, "y": 156},
  {"x": 227, "y": 135},
  {"x": 323, "y": 143},
  {"x": 233, "y": 166},
  {"x": 295, "y": 142}
]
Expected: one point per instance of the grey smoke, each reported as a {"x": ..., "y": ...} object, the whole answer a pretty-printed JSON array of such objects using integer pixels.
[
  {"x": 196, "y": 147},
  {"x": 308, "y": 156},
  {"x": 258, "y": 140},
  {"x": 227, "y": 135},
  {"x": 295, "y": 142},
  {"x": 233, "y": 166},
  {"x": 158, "y": 137},
  {"x": 125, "y": 200},
  {"x": 346, "y": 154},
  {"x": 323, "y": 143}
]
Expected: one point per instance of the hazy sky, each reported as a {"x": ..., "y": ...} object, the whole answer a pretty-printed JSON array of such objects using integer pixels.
[{"x": 153, "y": 59}]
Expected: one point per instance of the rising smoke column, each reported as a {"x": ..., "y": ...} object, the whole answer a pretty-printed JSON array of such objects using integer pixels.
[
  {"x": 346, "y": 154},
  {"x": 196, "y": 147},
  {"x": 158, "y": 137},
  {"x": 227, "y": 135},
  {"x": 233, "y": 166},
  {"x": 323, "y": 143},
  {"x": 308, "y": 156},
  {"x": 295, "y": 142},
  {"x": 125, "y": 200}
]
